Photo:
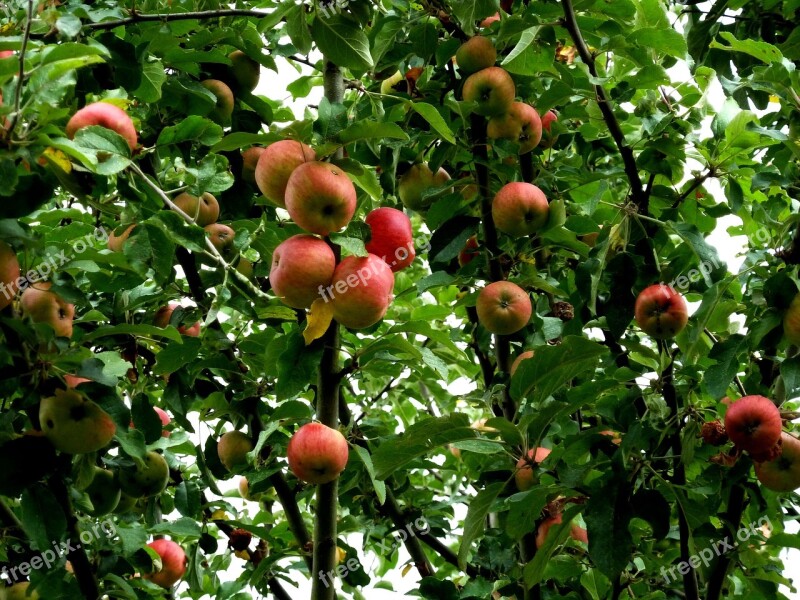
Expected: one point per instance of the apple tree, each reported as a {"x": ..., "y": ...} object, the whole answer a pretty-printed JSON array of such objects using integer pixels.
[{"x": 466, "y": 299}]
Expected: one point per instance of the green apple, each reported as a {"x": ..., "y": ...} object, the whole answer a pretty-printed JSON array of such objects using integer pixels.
[
  {"x": 223, "y": 108},
  {"x": 104, "y": 492},
  {"x": 74, "y": 424},
  {"x": 475, "y": 54},
  {"x": 9, "y": 274},
  {"x": 145, "y": 479},
  {"x": 414, "y": 182},
  {"x": 246, "y": 71},
  {"x": 492, "y": 89},
  {"x": 232, "y": 449}
]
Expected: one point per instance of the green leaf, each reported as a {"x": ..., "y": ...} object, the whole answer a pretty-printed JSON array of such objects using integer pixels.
[
  {"x": 297, "y": 28},
  {"x": 342, "y": 43},
  {"x": 196, "y": 129},
  {"x": 607, "y": 515},
  {"x": 664, "y": 40},
  {"x": 534, "y": 571},
  {"x": 468, "y": 12},
  {"x": 763, "y": 51},
  {"x": 176, "y": 355},
  {"x": 366, "y": 459},
  {"x": 153, "y": 77},
  {"x": 42, "y": 517},
  {"x": 475, "y": 522},
  {"x": 434, "y": 119},
  {"x": 370, "y": 130}
]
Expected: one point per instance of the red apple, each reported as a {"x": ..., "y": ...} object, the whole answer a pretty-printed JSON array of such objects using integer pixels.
[
  {"x": 275, "y": 166},
  {"x": 6, "y": 53},
  {"x": 493, "y": 90},
  {"x": 523, "y": 356},
  {"x": 222, "y": 238},
  {"x": 475, "y": 54},
  {"x": 9, "y": 274},
  {"x": 520, "y": 124},
  {"x": 548, "y": 138},
  {"x": 223, "y": 108},
  {"x": 361, "y": 290},
  {"x": 414, "y": 182},
  {"x": 164, "y": 316},
  {"x": 117, "y": 242},
  {"x": 163, "y": 417},
  {"x": 246, "y": 71},
  {"x": 392, "y": 237},
  {"x": 73, "y": 381},
  {"x": 204, "y": 210},
  {"x": 250, "y": 162},
  {"x": 320, "y": 197},
  {"x": 469, "y": 251},
  {"x": 173, "y": 563},
  {"x": 576, "y": 532},
  {"x": 44, "y": 306},
  {"x": 520, "y": 209},
  {"x": 753, "y": 423},
  {"x": 301, "y": 267},
  {"x": 232, "y": 449},
  {"x": 783, "y": 473},
  {"x": 487, "y": 22},
  {"x": 317, "y": 453},
  {"x": 524, "y": 476},
  {"x": 503, "y": 307},
  {"x": 661, "y": 312},
  {"x": 105, "y": 115}
]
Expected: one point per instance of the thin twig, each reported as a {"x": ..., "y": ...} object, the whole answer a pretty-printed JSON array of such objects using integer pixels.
[
  {"x": 198, "y": 15},
  {"x": 18, "y": 92}
]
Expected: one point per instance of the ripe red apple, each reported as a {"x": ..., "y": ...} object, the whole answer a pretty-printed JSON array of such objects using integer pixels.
[
  {"x": 44, "y": 306},
  {"x": 493, "y": 90},
  {"x": 6, "y": 53},
  {"x": 73, "y": 381},
  {"x": 783, "y": 473},
  {"x": 74, "y": 424},
  {"x": 523, "y": 356},
  {"x": 301, "y": 266},
  {"x": 661, "y": 312},
  {"x": 503, "y": 307},
  {"x": 250, "y": 162},
  {"x": 204, "y": 210},
  {"x": 524, "y": 476},
  {"x": 469, "y": 251},
  {"x": 520, "y": 209},
  {"x": 275, "y": 166},
  {"x": 320, "y": 197},
  {"x": 392, "y": 237},
  {"x": 147, "y": 478},
  {"x": 164, "y": 316},
  {"x": 475, "y": 54},
  {"x": 487, "y": 22},
  {"x": 223, "y": 109},
  {"x": 232, "y": 449},
  {"x": 576, "y": 532},
  {"x": 753, "y": 423},
  {"x": 418, "y": 179},
  {"x": 9, "y": 274},
  {"x": 173, "y": 563},
  {"x": 117, "y": 242},
  {"x": 105, "y": 115},
  {"x": 246, "y": 71},
  {"x": 222, "y": 238},
  {"x": 361, "y": 290},
  {"x": 163, "y": 417},
  {"x": 520, "y": 124},
  {"x": 548, "y": 138},
  {"x": 317, "y": 453}
]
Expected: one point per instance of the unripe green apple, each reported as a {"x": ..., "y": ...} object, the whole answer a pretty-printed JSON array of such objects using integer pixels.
[
  {"x": 414, "y": 182},
  {"x": 204, "y": 210},
  {"x": 105, "y": 115},
  {"x": 387, "y": 85},
  {"x": 145, "y": 479},
  {"x": 74, "y": 424},
  {"x": 475, "y": 54},
  {"x": 44, "y": 306},
  {"x": 18, "y": 591},
  {"x": 232, "y": 449},
  {"x": 492, "y": 89},
  {"x": 246, "y": 71},
  {"x": 223, "y": 108},
  {"x": 9, "y": 274},
  {"x": 104, "y": 492}
]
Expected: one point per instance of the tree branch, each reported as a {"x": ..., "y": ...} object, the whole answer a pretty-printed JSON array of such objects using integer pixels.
[
  {"x": 733, "y": 515},
  {"x": 164, "y": 17},
  {"x": 18, "y": 92},
  {"x": 571, "y": 24}
]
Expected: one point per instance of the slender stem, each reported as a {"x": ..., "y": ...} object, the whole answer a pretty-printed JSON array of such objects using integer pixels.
[
  {"x": 164, "y": 17},
  {"x": 325, "y": 525},
  {"x": 8, "y": 517},
  {"x": 18, "y": 92},
  {"x": 571, "y": 24},
  {"x": 392, "y": 510}
]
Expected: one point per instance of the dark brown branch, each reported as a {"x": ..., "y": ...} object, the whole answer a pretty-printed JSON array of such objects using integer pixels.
[
  {"x": 391, "y": 510},
  {"x": 182, "y": 16},
  {"x": 733, "y": 516},
  {"x": 629, "y": 161},
  {"x": 696, "y": 183}
]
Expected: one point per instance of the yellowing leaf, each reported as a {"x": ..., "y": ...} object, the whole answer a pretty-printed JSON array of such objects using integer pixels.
[
  {"x": 319, "y": 319},
  {"x": 219, "y": 515},
  {"x": 341, "y": 555},
  {"x": 406, "y": 569},
  {"x": 243, "y": 554},
  {"x": 57, "y": 158}
]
